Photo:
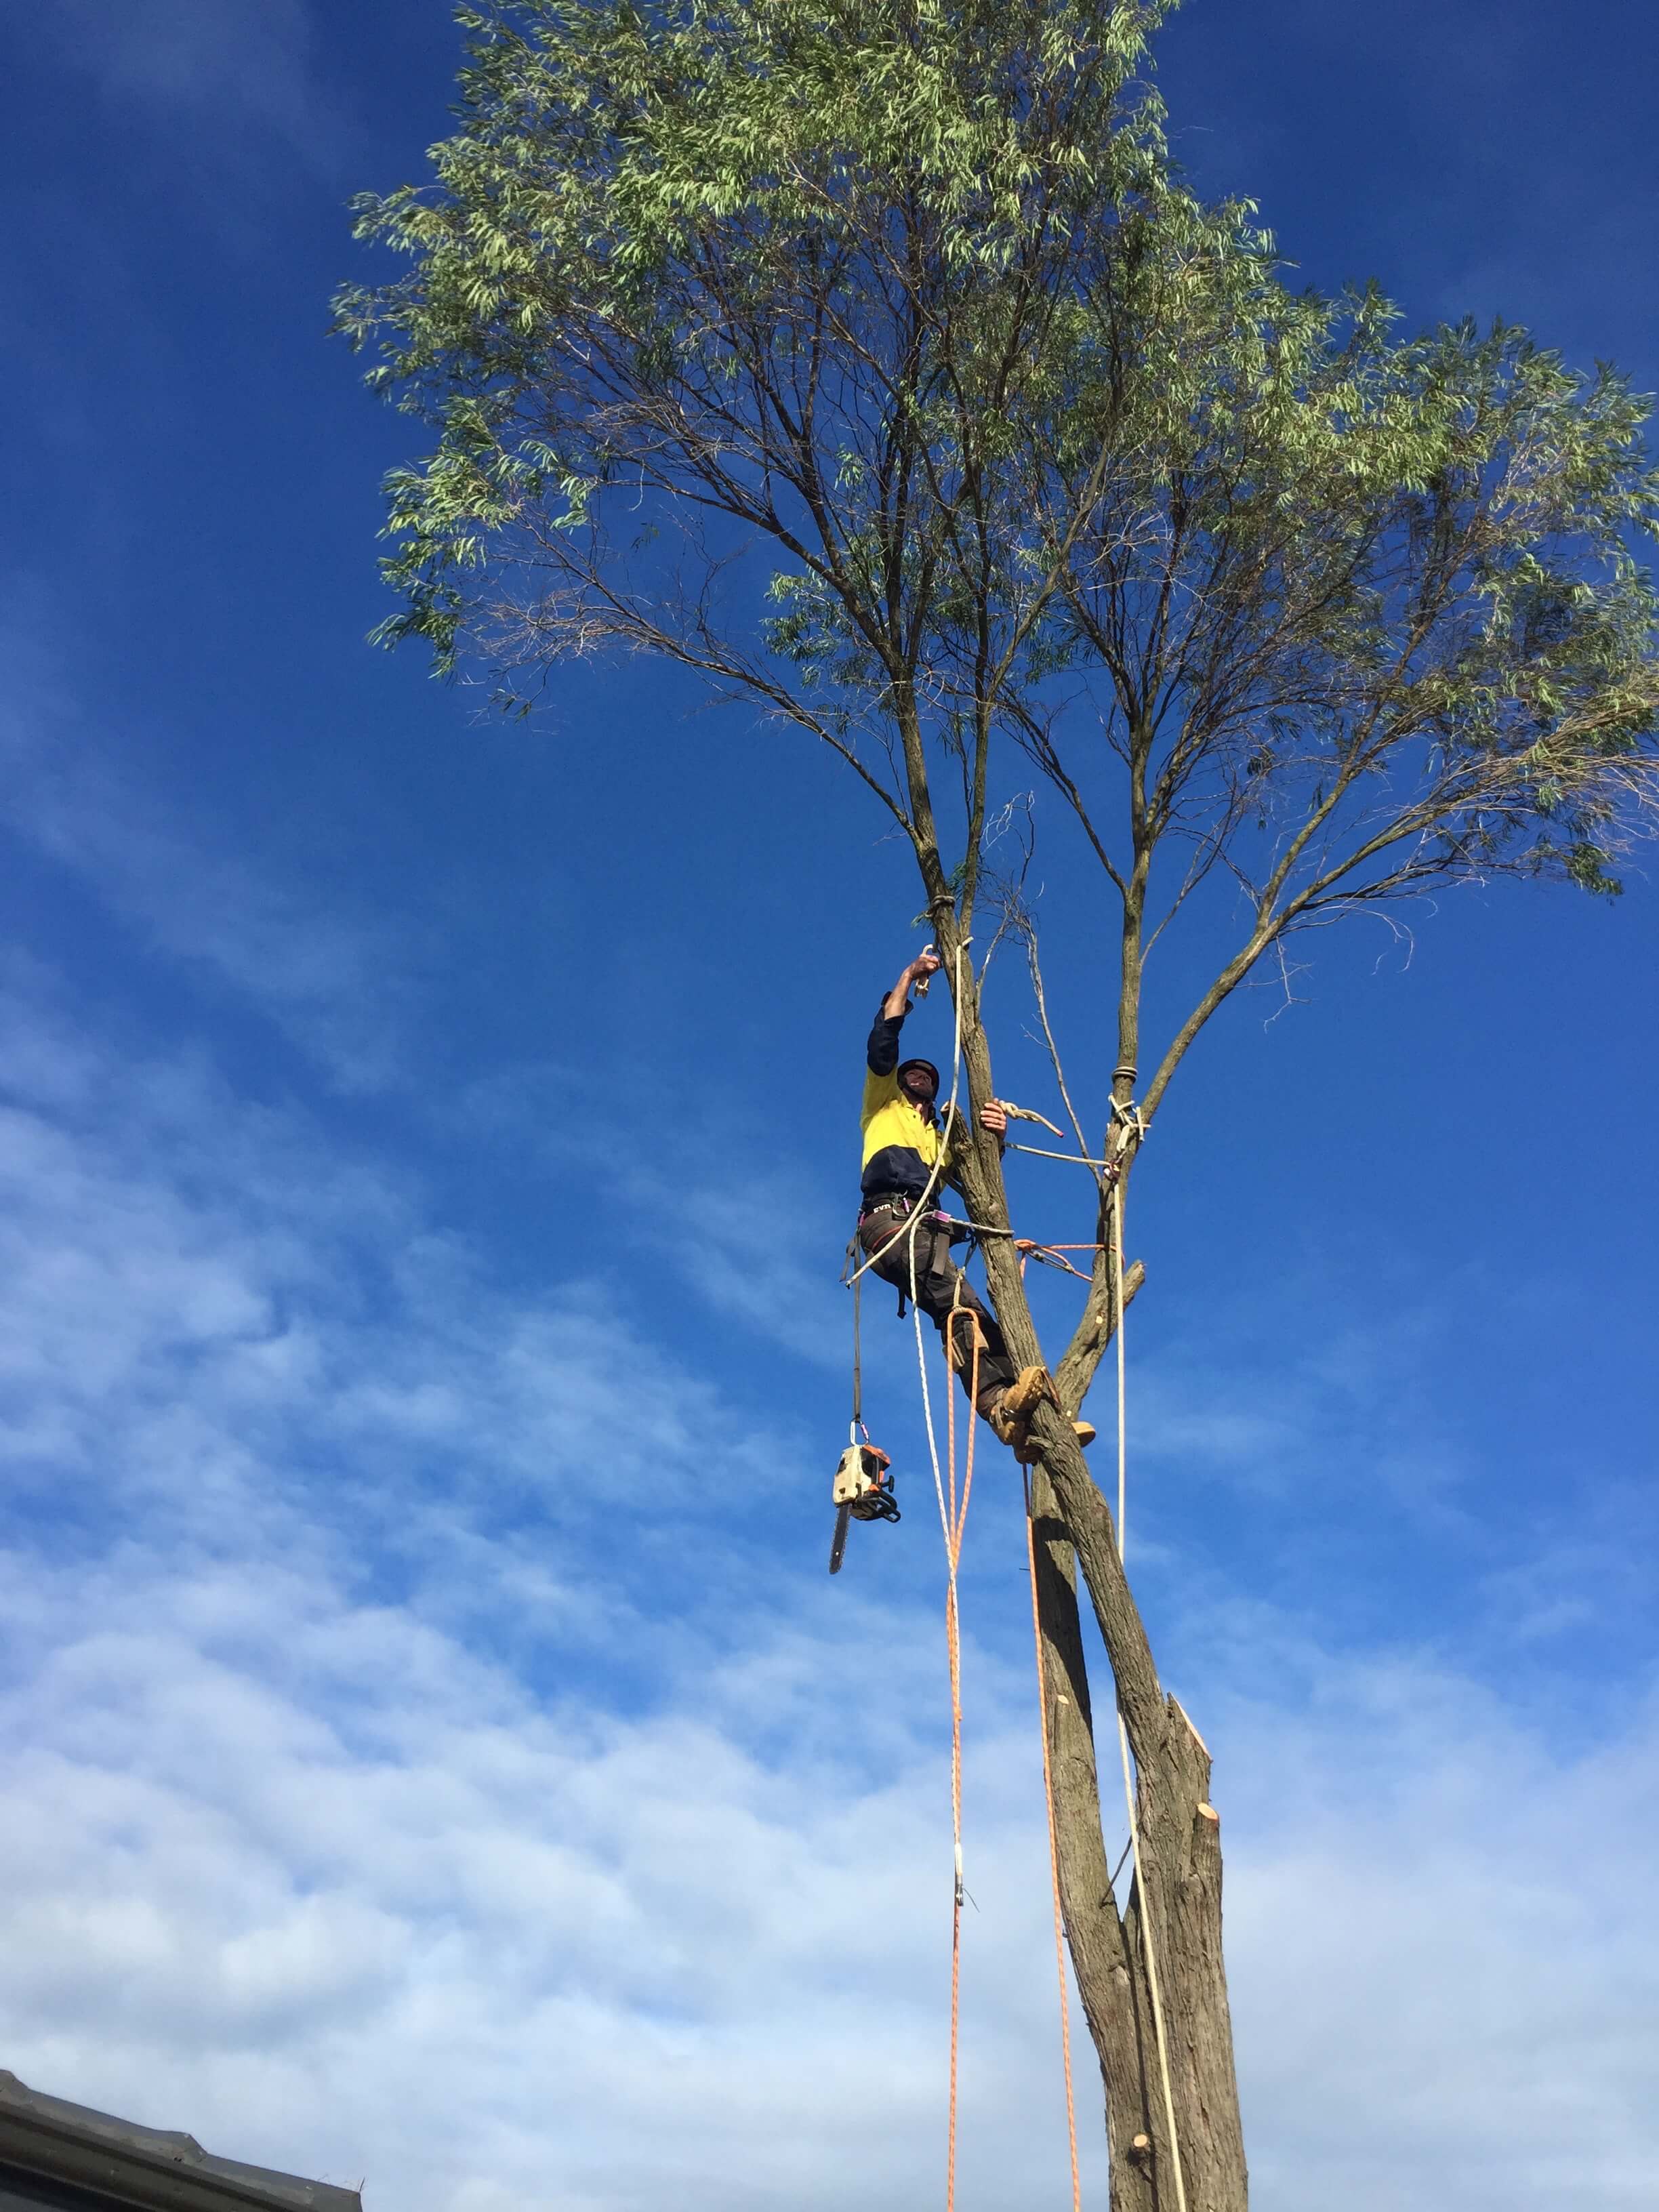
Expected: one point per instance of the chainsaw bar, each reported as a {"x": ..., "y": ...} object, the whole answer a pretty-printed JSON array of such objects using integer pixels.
[{"x": 838, "y": 1546}]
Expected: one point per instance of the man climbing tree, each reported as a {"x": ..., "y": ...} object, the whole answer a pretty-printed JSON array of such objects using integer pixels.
[
  {"x": 907, "y": 1158},
  {"x": 1049, "y": 476}
]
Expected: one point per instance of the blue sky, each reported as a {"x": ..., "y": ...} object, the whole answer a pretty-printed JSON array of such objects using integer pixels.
[{"x": 433, "y": 1750}]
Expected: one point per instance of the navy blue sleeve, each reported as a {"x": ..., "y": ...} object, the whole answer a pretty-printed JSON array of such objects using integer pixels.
[{"x": 881, "y": 1053}]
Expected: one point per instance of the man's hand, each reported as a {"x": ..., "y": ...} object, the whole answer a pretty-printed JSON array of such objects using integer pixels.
[
  {"x": 922, "y": 969},
  {"x": 991, "y": 1117}
]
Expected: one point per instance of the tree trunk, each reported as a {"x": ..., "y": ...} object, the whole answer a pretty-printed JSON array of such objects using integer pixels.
[
  {"x": 1177, "y": 1900},
  {"x": 1180, "y": 1866},
  {"x": 1108, "y": 1976}
]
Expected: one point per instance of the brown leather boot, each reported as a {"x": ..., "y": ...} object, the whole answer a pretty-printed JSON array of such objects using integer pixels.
[
  {"x": 1026, "y": 1392},
  {"x": 1011, "y": 1416}
]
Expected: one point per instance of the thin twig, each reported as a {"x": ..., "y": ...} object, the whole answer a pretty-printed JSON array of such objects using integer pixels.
[{"x": 1029, "y": 931}]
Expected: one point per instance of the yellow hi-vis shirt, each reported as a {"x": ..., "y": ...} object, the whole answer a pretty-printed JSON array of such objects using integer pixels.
[{"x": 909, "y": 1138}]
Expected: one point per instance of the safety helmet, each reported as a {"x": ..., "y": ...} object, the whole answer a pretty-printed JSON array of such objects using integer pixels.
[{"x": 927, "y": 1064}]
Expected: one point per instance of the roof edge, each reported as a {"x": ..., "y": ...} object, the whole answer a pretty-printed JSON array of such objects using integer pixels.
[{"x": 156, "y": 2169}]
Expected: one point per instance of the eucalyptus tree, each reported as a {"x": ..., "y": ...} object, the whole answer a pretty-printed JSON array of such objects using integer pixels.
[{"x": 869, "y": 358}]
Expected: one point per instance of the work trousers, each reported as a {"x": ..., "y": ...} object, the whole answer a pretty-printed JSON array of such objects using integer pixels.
[{"x": 941, "y": 1290}]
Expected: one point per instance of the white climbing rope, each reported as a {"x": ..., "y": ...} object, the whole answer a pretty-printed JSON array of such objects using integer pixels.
[
  {"x": 1132, "y": 1115},
  {"x": 912, "y": 1226},
  {"x": 951, "y": 1514},
  {"x": 1042, "y": 1153}
]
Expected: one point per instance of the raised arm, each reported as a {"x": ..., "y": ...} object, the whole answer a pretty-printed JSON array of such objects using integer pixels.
[
  {"x": 882, "y": 1053},
  {"x": 896, "y": 1004}
]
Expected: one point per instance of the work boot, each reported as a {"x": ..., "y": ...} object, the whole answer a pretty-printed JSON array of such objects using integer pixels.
[
  {"x": 1026, "y": 1392},
  {"x": 1010, "y": 1415}
]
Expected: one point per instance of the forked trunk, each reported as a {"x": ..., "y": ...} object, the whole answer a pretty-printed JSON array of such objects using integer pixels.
[{"x": 1181, "y": 1860}]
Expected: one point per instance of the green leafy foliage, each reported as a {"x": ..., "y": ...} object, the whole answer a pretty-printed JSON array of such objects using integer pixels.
[{"x": 1039, "y": 452}]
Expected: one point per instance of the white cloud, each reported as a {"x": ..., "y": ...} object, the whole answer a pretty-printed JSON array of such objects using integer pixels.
[
  {"x": 208, "y": 1317},
  {"x": 1446, "y": 1967},
  {"x": 630, "y": 1949},
  {"x": 405, "y": 1777},
  {"x": 321, "y": 1882}
]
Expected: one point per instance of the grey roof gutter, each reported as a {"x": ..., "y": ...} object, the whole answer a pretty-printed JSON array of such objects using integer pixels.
[{"x": 158, "y": 2169}]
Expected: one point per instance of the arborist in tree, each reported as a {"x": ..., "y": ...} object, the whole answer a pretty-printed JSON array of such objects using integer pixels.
[{"x": 903, "y": 1139}]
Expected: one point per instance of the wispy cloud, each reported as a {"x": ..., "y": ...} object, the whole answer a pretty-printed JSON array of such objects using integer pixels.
[
  {"x": 379, "y": 1710},
  {"x": 319, "y": 1771},
  {"x": 702, "y": 1187},
  {"x": 284, "y": 1837},
  {"x": 222, "y": 64},
  {"x": 340, "y": 983}
]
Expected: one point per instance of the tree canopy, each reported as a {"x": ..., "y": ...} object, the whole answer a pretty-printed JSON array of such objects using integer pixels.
[{"x": 1038, "y": 451}]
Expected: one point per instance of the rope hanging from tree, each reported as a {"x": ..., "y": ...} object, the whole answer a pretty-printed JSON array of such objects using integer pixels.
[
  {"x": 953, "y": 1513},
  {"x": 1129, "y": 1119}
]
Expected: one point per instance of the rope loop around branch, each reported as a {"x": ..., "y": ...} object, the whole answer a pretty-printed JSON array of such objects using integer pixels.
[{"x": 1128, "y": 1117}]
